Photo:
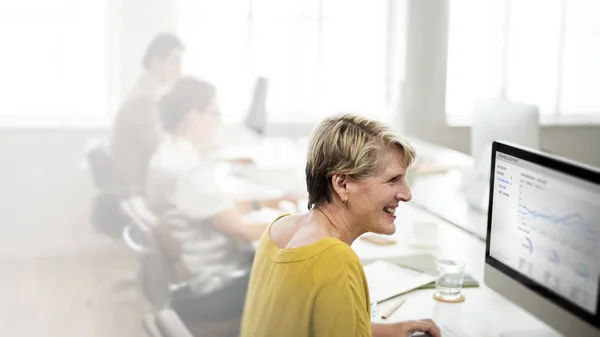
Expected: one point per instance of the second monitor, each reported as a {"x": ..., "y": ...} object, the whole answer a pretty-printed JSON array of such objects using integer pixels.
[
  {"x": 494, "y": 120},
  {"x": 256, "y": 119}
]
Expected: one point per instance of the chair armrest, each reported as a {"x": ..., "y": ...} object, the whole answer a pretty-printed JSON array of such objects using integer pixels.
[
  {"x": 150, "y": 327},
  {"x": 171, "y": 325},
  {"x": 132, "y": 244}
]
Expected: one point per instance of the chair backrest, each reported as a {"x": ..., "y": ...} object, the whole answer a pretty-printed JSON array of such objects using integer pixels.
[
  {"x": 101, "y": 165},
  {"x": 170, "y": 325},
  {"x": 155, "y": 276},
  {"x": 106, "y": 215},
  {"x": 141, "y": 217}
]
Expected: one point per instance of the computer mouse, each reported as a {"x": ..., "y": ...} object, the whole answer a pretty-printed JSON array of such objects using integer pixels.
[{"x": 420, "y": 334}]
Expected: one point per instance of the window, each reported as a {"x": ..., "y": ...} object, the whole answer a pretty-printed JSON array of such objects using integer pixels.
[
  {"x": 320, "y": 56},
  {"x": 54, "y": 60},
  {"x": 541, "y": 52}
]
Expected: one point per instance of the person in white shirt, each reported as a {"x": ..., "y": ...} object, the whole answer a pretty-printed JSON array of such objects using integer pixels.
[{"x": 214, "y": 245}]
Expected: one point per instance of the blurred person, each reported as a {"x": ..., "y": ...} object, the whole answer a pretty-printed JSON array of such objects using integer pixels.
[
  {"x": 306, "y": 279},
  {"x": 135, "y": 137},
  {"x": 136, "y": 131},
  {"x": 162, "y": 67},
  {"x": 201, "y": 226}
]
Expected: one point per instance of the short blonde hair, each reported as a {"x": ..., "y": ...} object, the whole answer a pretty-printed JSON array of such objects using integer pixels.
[{"x": 347, "y": 144}]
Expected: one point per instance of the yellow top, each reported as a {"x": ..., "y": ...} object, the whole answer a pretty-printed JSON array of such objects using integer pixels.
[{"x": 312, "y": 291}]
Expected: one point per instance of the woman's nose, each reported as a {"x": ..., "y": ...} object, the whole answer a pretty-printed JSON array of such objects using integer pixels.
[{"x": 404, "y": 194}]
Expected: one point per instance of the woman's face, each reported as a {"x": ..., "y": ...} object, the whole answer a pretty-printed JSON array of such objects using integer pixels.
[
  {"x": 203, "y": 125},
  {"x": 372, "y": 200}
]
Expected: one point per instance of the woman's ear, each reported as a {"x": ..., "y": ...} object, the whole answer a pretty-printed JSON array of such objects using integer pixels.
[{"x": 340, "y": 186}]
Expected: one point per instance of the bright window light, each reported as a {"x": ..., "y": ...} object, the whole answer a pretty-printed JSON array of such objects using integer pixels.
[
  {"x": 540, "y": 52},
  {"x": 321, "y": 56},
  {"x": 54, "y": 59}
]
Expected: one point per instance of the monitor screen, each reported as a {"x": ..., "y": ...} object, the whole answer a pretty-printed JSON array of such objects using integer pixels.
[
  {"x": 256, "y": 119},
  {"x": 545, "y": 227}
]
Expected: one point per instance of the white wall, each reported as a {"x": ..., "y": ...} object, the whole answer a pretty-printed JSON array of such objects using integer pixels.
[{"x": 45, "y": 195}]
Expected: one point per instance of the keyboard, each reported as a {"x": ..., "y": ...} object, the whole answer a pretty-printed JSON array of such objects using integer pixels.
[
  {"x": 446, "y": 332},
  {"x": 453, "y": 332}
]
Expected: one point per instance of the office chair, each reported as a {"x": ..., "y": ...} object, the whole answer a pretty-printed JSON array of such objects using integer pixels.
[
  {"x": 154, "y": 275},
  {"x": 149, "y": 326},
  {"x": 129, "y": 281},
  {"x": 156, "y": 278},
  {"x": 106, "y": 216},
  {"x": 170, "y": 325},
  {"x": 166, "y": 282}
]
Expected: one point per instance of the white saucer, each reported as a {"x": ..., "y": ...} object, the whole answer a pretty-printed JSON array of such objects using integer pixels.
[{"x": 424, "y": 244}]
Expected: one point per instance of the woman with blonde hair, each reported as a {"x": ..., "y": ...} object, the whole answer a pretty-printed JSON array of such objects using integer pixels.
[{"x": 306, "y": 279}]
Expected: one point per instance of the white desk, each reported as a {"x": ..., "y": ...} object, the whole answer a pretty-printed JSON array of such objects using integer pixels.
[{"x": 484, "y": 313}]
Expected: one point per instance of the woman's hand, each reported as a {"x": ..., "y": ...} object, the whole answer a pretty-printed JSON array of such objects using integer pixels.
[{"x": 407, "y": 328}]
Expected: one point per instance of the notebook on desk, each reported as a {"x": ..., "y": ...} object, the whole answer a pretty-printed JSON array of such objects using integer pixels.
[
  {"x": 387, "y": 280},
  {"x": 423, "y": 275},
  {"x": 421, "y": 262}
]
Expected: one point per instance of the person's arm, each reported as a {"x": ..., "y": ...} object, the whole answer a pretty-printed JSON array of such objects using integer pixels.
[
  {"x": 405, "y": 329},
  {"x": 383, "y": 330},
  {"x": 229, "y": 222},
  {"x": 200, "y": 197},
  {"x": 252, "y": 205}
]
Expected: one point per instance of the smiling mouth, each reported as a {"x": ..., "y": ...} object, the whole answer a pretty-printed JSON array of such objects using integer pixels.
[{"x": 389, "y": 210}]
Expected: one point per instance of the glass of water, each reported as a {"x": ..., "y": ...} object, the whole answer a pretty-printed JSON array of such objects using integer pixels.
[{"x": 450, "y": 275}]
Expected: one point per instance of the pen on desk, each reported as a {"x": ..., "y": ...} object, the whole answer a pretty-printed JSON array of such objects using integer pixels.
[{"x": 394, "y": 308}]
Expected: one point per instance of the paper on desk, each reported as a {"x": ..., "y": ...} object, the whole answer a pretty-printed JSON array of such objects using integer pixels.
[{"x": 387, "y": 280}]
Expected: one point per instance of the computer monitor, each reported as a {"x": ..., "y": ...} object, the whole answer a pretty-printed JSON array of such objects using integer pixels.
[
  {"x": 256, "y": 119},
  {"x": 543, "y": 243},
  {"x": 496, "y": 119}
]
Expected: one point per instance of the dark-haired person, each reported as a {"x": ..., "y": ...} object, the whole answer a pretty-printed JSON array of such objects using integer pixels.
[
  {"x": 136, "y": 130},
  {"x": 162, "y": 66},
  {"x": 213, "y": 243}
]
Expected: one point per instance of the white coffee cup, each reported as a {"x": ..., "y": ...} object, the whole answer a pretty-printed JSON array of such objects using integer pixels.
[{"x": 425, "y": 232}]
